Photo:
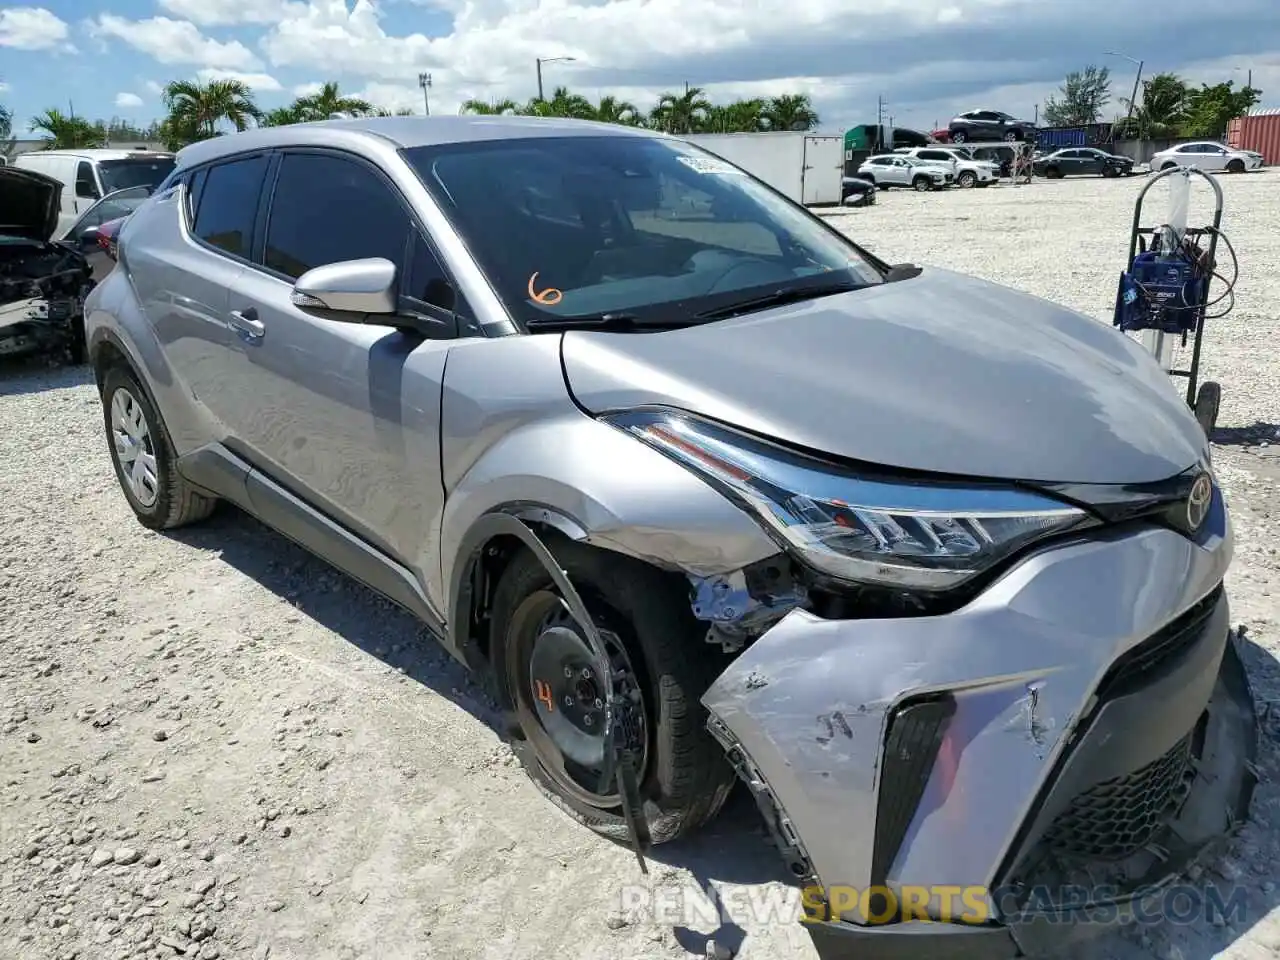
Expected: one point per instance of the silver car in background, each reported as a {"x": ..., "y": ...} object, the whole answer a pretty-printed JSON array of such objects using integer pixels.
[{"x": 708, "y": 492}]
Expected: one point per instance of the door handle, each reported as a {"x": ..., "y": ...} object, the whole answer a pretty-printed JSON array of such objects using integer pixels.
[{"x": 247, "y": 322}]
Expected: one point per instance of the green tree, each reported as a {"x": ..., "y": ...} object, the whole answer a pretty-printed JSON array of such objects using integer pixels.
[
  {"x": 1211, "y": 108},
  {"x": 613, "y": 110},
  {"x": 328, "y": 102},
  {"x": 792, "y": 111},
  {"x": 686, "y": 112},
  {"x": 62, "y": 132},
  {"x": 197, "y": 110},
  {"x": 1162, "y": 109},
  {"x": 6, "y": 132},
  {"x": 1084, "y": 94},
  {"x": 494, "y": 108},
  {"x": 740, "y": 116}
]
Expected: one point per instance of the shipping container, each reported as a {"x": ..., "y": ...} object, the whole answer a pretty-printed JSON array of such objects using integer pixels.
[
  {"x": 806, "y": 167},
  {"x": 1259, "y": 131}
]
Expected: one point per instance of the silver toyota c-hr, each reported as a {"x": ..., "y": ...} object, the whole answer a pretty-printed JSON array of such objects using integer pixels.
[{"x": 706, "y": 491}]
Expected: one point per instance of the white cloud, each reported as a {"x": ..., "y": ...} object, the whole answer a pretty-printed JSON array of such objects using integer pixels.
[
  {"x": 4, "y": 87},
  {"x": 209, "y": 13},
  {"x": 396, "y": 96},
  {"x": 308, "y": 89},
  {"x": 259, "y": 82},
  {"x": 154, "y": 87},
  {"x": 175, "y": 41},
  {"x": 31, "y": 28},
  {"x": 128, "y": 101}
]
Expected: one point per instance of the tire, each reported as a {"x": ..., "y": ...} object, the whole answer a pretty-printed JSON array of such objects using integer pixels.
[
  {"x": 1052, "y": 173},
  {"x": 168, "y": 501},
  {"x": 685, "y": 778},
  {"x": 967, "y": 179},
  {"x": 959, "y": 137},
  {"x": 1208, "y": 401},
  {"x": 1110, "y": 172},
  {"x": 1235, "y": 166},
  {"x": 921, "y": 184},
  {"x": 1013, "y": 136}
]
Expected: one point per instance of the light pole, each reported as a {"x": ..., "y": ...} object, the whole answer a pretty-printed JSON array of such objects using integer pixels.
[
  {"x": 1132, "y": 99},
  {"x": 424, "y": 81},
  {"x": 540, "y": 61}
]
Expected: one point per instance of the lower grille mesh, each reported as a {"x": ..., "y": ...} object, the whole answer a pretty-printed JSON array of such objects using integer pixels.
[{"x": 1114, "y": 819}]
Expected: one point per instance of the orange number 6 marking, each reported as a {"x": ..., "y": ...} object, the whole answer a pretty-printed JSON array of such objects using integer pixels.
[
  {"x": 548, "y": 297},
  {"x": 543, "y": 692}
]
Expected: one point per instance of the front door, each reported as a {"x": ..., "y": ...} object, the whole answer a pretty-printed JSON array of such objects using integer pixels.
[{"x": 343, "y": 414}]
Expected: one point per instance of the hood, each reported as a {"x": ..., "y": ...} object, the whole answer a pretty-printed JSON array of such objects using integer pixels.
[
  {"x": 29, "y": 203},
  {"x": 941, "y": 373}
]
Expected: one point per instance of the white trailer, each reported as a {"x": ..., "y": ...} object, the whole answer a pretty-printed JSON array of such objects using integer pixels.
[{"x": 807, "y": 167}]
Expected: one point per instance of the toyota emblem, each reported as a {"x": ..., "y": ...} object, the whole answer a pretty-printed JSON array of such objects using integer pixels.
[{"x": 1198, "y": 501}]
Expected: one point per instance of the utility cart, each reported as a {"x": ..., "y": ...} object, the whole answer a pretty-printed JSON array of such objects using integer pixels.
[{"x": 1164, "y": 289}]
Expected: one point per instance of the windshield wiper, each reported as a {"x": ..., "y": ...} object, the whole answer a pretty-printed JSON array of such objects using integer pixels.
[
  {"x": 778, "y": 298},
  {"x": 608, "y": 321}
]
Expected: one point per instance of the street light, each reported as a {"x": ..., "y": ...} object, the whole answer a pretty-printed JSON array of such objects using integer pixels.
[
  {"x": 424, "y": 81},
  {"x": 540, "y": 61},
  {"x": 1136, "y": 80}
]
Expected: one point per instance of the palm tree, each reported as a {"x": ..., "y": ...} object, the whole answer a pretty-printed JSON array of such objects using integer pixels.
[
  {"x": 196, "y": 109},
  {"x": 681, "y": 113},
  {"x": 281, "y": 116},
  {"x": 741, "y": 116},
  {"x": 62, "y": 132},
  {"x": 1164, "y": 106},
  {"x": 398, "y": 112},
  {"x": 562, "y": 104},
  {"x": 613, "y": 110},
  {"x": 792, "y": 111},
  {"x": 327, "y": 102},
  {"x": 496, "y": 108}
]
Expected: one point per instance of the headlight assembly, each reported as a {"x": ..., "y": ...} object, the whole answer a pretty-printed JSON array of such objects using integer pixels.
[{"x": 913, "y": 535}]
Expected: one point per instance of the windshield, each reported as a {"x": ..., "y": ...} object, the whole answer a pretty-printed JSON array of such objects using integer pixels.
[
  {"x": 645, "y": 226},
  {"x": 134, "y": 172}
]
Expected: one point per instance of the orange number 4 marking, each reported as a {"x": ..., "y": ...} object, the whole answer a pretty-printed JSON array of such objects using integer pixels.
[{"x": 542, "y": 691}]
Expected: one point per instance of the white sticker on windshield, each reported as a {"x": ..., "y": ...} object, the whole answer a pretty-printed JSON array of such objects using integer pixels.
[{"x": 709, "y": 165}]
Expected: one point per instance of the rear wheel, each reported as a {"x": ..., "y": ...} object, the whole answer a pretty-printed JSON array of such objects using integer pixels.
[
  {"x": 1013, "y": 135},
  {"x": 143, "y": 456},
  {"x": 959, "y": 137},
  {"x": 1235, "y": 166},
  {"x": 1110, "y": 172},
  {"x": 546, "y": 676},
  {"x": 1053, "y": 173}
]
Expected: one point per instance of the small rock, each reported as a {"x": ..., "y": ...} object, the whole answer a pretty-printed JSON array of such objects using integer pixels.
[
  {"x": 285, "y": 830},
  {"x": 34, "y": 737},
  {"x": 100, "y": 858},
  {"x": 204, "y": 885},
  {"x": 191, "y": 901},
  {"x": 275, "y": 906},
  {"x": 206, "y": 854},
  {"x": 126, "y": 856},
  {"x": 209, "y": 952},
  {"x": 176, "y": 944},
  {"x": 615, "y": 922},
  {"x": 160, "y": 736},
  {"x": 718, "y": 951},
  {"x": 151, "y": 860},
  {"x": 241, "y": 837}
]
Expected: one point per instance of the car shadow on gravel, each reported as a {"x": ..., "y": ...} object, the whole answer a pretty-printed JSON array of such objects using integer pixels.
[
  {"x": 339, "y": 603},
  {"x": 1256, "y": 433},
  {"x": 37, "y": 374}
]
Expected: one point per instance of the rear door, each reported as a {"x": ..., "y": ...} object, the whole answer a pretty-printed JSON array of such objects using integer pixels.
[
  {"x": 185, "y": 250},
  {"x": 344, "y": 414}
]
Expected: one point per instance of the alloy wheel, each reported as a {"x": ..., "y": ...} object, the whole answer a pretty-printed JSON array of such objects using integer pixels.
[
  {"x": 560, "y": 698},
  {"x": 134, "y": 446}
]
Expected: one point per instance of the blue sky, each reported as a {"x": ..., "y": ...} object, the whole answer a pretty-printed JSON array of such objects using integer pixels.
[{"x": 927, "y": 58}]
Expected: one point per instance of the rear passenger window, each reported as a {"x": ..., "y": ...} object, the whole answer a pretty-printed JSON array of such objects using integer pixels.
[
  {"x": 228, "y": 204},
  {"x": 327, "y": 209}
]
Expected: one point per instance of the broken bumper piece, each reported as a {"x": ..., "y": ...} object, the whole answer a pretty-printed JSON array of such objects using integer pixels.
[{"x": 1036, "y": 766}]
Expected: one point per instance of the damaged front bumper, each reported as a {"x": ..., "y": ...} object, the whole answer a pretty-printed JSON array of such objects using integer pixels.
[{"x": 1031, "y": 767}]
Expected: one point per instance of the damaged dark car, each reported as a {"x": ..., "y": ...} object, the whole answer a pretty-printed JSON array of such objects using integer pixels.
[{"x": 43, "y": 282}]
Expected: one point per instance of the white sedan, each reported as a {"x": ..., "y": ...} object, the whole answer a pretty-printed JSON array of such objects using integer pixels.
[
  {"x": 894, "y": 170},
  {"x": 1206, "y": 155}
]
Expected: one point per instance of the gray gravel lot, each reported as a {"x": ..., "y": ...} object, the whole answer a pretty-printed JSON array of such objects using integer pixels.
[{"x": 212, "y": 745}]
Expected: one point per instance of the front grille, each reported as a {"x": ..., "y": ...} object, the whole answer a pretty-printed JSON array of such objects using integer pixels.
[
  {"x": 912, "y": 740},
  {"x": 1118, "y": 817},
  {"x": 1146, "y": 659}
]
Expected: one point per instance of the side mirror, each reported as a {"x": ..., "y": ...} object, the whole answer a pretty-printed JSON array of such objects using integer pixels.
[
  {"x": 89, "y": 237},
  {"x": 352, "y": 286}
]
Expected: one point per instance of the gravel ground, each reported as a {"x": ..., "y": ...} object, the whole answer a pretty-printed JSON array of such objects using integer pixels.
[{"x": 212, "y": 745}]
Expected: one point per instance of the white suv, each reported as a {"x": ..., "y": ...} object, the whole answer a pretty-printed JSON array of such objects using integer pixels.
[
  {"x": 968, "y": 171},
  {"x": 895, "y": 170},
  {"x": 1207, "y": 155}
]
